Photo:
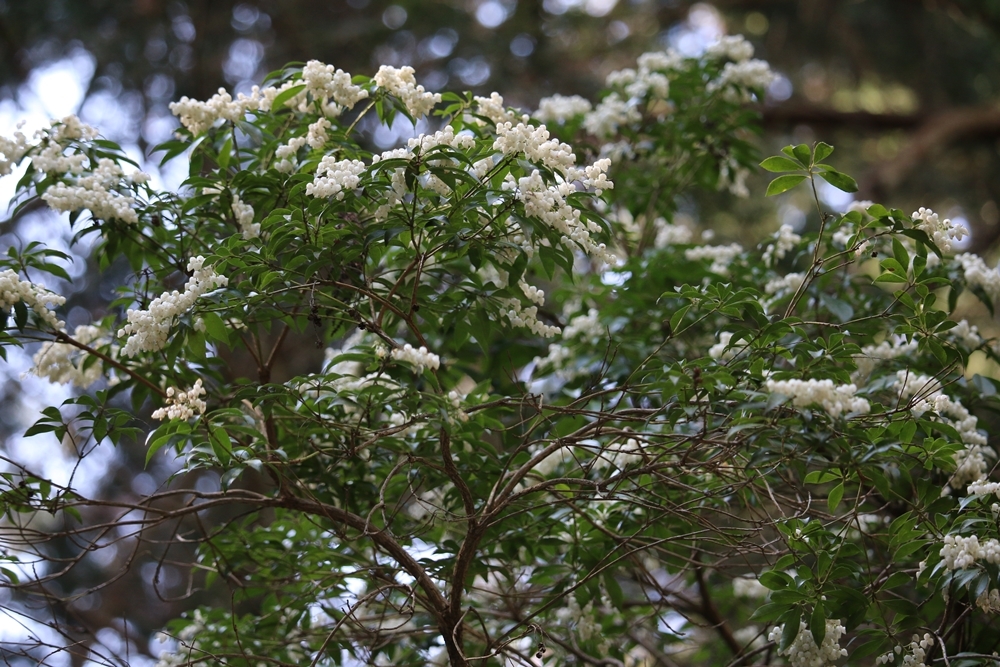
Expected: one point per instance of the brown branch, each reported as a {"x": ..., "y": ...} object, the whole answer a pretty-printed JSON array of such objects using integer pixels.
[
  {"x": 63, "y": 337},
  {"x": 711, "y": 614}
]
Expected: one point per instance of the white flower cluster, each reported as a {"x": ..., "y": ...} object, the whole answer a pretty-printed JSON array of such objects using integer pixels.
[
  {"x": 970, "y": 462},
  {"x": 749, "y": 587},
  {"x": 738, "y": 80},
  {"x": 587, "y": 327},
  {"x": 891, "y": 348},
  {"x": 668, "y": 234},
  {"x": 560, "y": 108},
  {"x": 549, "y": 205},
  {"x": 316, "y": 135},
  {"x": 284, "y": 154},
  {"x": 721, "y": 255},
  {"x": 966, "y": 334},
  {"x": 584, "y": 619},
  {"x": 533, "y": 293},
  {"x": 148, "y": 330},
  {"x": 619, "y": 455},
  {"x": 244, "y": 216},
  {"x": 645, "y": 80},
  {"x": 535, "y": 143},
  {"x": 520, "y": 316},
  {"x": 804, "y": 653},
  {"x": 611, "y": 113},
  {"x": 733, "y": 177},
  {"x": 94, "y": 192},
  {"x": 722, "y": 350},
  {"x": 53, "y": 143},
  {"x": 64, "y": 363},
  {"x": 915, "y": 652},
  {"x": 419, "y": 358},
  {"x": 39, "y": 299},
  {"x": 989, "y": 602},
  {"x": 786, "y": 239},
  {"x": 12, "y": 151},
  {"x": 787, "y": 283},
  {"x": 959, "y": 553},
  {"x": 982, "y": 487},
  {"x": 977, "y": 274},
  {"x": 325, "y": 82},
  {"x": 334, "y": 177},
  {"x": 401, "y": 83},
  {"x": 425, "y": 143},
  {"x": 943, "y": 232},
  {"x": 730, "y": 47},
  {"x": 455, "y": 399},
  {"x": 199, "y": 116},
  {"x": 835, "y": 399},
  {"x": 492, "y": 107},
  {"x": 182, "y": 404}
]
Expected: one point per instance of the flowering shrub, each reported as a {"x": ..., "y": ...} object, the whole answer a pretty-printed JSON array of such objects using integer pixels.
[{"x": 550, "y": 427}]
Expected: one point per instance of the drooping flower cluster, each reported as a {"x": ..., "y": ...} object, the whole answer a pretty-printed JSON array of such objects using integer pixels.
[
  {"x": 548, "y": 204},
  {"x": 148, "y": 330},
  {"x": 402, "y": 84},
  {"x": 835, "y": 399},
  {"x": 730, "y": 47},
  {"x": 244, "y": 217},
  {"x": 418, "y": 357},
  {"x": 40, "y": 300},
  {"x": 977, "y": 274},
  {"x": 738, "y": 80},
  {"x": 925, "y": 395},
  {"x": 913, "y": 654},
  {"x": 803, "y": 651},
  {"x": 323, "y": 82},
  {"x": 199, "y": 116},
  {"x": 326, "y": 82},
  {"x": 989, "y": 601},
  {"x": 560, "y": 108},
  {"x": 786, "y": 239},
  {"x": 944, "y": 233},
  {"x": 721, "y": 255},
  {"x": 94, "y": 192},
  {"x": 959, "y": 553},
  {"x": 12, "y": 151},
  {"x": 64, "y": 363},
  {"x": 334, "y": 177},
  {"x": 520, "y": 316},
  {"x": 183, "y": 404},
  {"x": 723, "y": 351},
  {"x": 890, "y": 348}
]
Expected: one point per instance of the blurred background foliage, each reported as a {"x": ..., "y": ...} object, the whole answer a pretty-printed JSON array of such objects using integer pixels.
[{"x": 906, "y": 90}]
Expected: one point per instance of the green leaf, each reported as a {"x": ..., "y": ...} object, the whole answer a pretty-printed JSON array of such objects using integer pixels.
[
  {"x": 282, "y": 97},
  {"x": 802, "y": 154},
  {"x": 899, "y": 253},
  {"x": 226, "y": 152},
  {"x": 678, "y": 317},
  {"x": 821, "y": 476},
  {"x": 890, "y": 278},
  {"x": 839, "y": 180},
  {"x": 817, "y": 624},
  {"x": 822, "y": 151},
  {"x": 836, "y": 494},
  {"x": 215, "y": 328},
  {"x": 780, "y": 164},
  {"x": 775, "y": 580},
  {"x": 784, "y": 183},
  {"x": 791, "y": 621}
]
